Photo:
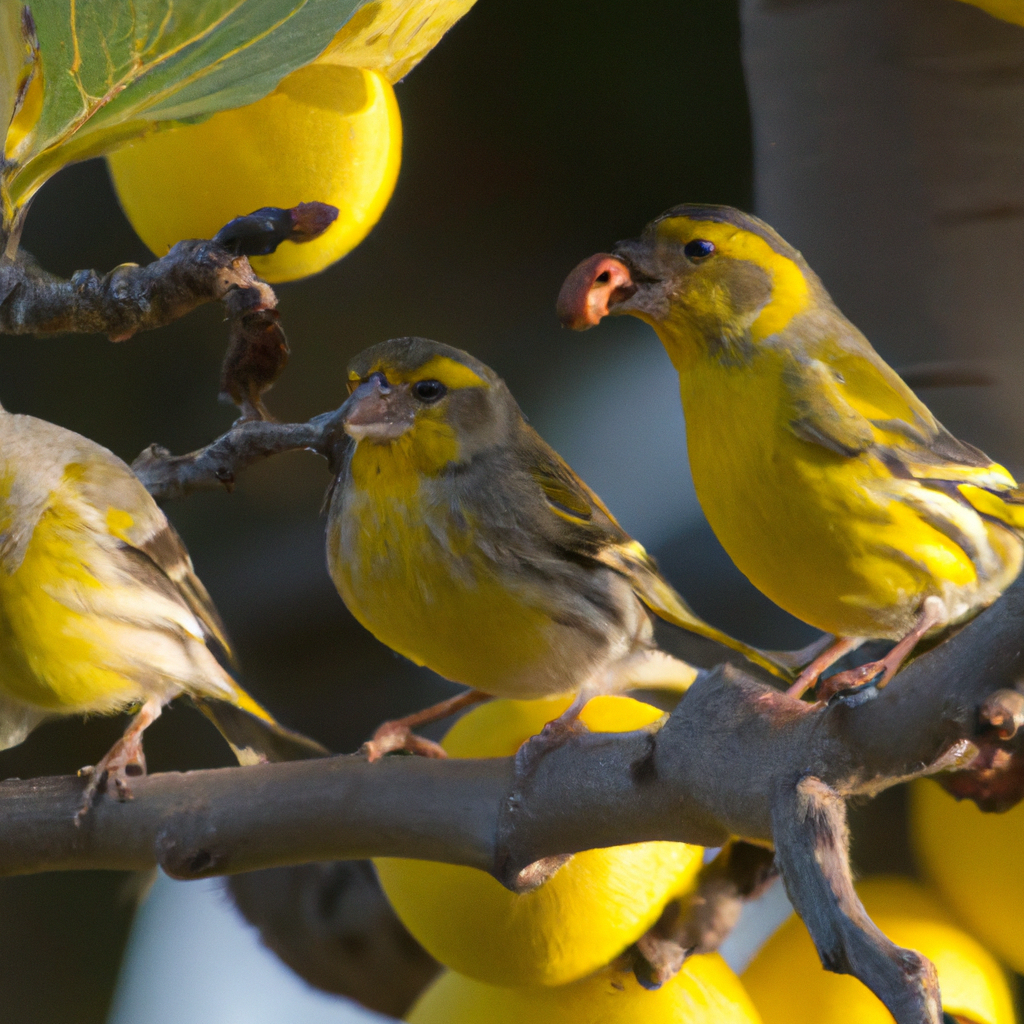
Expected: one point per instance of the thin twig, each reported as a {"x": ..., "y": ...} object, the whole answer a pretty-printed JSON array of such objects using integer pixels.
[
  {"x": 168, "y": 476},
  {"x": 332, "y": 924},
  {"x": 131, "y": 298}
]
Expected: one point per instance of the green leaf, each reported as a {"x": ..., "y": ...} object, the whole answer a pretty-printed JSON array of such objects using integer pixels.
[
  {"x": 12, "y": 57},
  {"x": 111, "y": 68}
]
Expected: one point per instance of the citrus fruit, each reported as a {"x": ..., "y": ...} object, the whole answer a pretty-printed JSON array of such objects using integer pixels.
[
  {"x": 582, "y": 917},
  {"x": 327, "y": 133}
]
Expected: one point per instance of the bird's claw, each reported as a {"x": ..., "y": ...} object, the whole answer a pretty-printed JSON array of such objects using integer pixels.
[
  {"x": 551, "y": 737},
  {"x": 393, "y": 736},
  {"x": 852, "y": 679},
  {"x": 122, "y": 763}
]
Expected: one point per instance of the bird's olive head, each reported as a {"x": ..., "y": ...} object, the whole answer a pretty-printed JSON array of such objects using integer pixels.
[
  {"x": 707, "y": 278},
  {"x": 435, "y": 404}
]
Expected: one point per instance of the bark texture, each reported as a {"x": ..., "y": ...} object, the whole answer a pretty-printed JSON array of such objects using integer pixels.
[{"x": 735, "y": 758}]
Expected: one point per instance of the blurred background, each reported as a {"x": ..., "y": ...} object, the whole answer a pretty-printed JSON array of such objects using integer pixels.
[{"x": 534, "y": 135}]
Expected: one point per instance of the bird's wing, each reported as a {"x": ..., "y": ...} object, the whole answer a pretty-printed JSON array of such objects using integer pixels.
[
  {"x": 153, "y": 556},
  {"x": 150, "y": 550},
  {"x": 569, "y": 498},
  {"x": 855, "y": 406},
  {"x": 594, "y": 534},
  {"x": 633, "y": 562},
  {"x": 820, "y": 412}
]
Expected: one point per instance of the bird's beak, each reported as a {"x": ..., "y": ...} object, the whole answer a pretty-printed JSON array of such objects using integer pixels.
[
  {"x": 592, "y": 290},
  {"x": 378, "y": 411}
]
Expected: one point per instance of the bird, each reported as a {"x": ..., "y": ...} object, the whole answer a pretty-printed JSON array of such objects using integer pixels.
[
  {"x": 101, "y": 610},
  {"x": 829, "y": 483},
  {"x": 462, "y": 540}
]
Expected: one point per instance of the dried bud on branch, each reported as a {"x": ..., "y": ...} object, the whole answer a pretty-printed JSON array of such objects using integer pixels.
[{"x": 131, "y": 298}]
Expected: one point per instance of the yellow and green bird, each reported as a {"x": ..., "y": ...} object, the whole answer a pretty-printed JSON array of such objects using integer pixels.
[
  {"x": 100, "y": 609},
  {"x": 460, "y": 539},
  {"x": 829, "y": 483}
]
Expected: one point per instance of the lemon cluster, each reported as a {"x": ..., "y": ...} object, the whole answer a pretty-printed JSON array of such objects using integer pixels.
[
  {"x": 550, "y": 954},
  {"x": 973, "y": 859},
  {"x": 554, "y": 953}
]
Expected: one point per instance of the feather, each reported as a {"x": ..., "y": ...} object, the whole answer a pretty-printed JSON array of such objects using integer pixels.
[{"x": 595, "y": 534}]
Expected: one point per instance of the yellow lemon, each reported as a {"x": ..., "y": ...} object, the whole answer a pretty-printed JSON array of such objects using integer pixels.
[
  {"x": 596, "y": 905},
  {"x": 1007, "y": 10},
  {"x": 974, "y": 860},
  {"x": 327, "y": 133},
  {"x": 789, "y": 986},
  {"x": 705, "y": 991}
]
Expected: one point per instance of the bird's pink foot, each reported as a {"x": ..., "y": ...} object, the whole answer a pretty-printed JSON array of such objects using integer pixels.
[
  {"x": 851, "y": 679},
  {"x": 551, "y": 737},
  {"x": 399, "y": 735},
  {"x": 125, "y": 760},
  {"x": 394, "y": 736}
]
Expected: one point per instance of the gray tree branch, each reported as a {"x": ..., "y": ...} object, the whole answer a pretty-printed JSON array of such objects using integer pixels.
[
  {"x": 217, "y": 464},
  {"x": 131, "y": 298},
  {"x": 735, "y": 758}
]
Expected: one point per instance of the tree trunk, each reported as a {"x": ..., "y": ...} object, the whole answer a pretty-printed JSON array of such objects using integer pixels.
[{"x": 889, "y": 148}]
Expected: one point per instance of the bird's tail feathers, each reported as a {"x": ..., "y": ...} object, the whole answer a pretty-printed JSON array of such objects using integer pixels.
[
  {"x": 660, "y": 596},
  {"x": 678, "y": 613},
  {"x": 254, "y": 735}
]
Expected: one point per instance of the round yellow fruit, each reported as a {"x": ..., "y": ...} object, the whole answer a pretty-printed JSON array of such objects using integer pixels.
[
  {"x": 975, "y": 860},
  {"x": 328, "y": 134},
  {"x": 1006, "y": 10},
  {"x": 705, "y": 991},
  {"x": 582, "y": 917},
  {"x": 789, "y": 986}
]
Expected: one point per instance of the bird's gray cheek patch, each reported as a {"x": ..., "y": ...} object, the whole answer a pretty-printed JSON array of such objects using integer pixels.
[{"x": 749, "y": 287}]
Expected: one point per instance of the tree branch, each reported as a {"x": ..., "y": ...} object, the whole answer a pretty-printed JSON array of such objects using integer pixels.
[
  {"x": 700, "y": 921},
  {"x": 132, "y": 298},
  {"x": 168, "y": 476},
  {"x": 736, "y": 757},
  {"x": 812, "y": 854}
]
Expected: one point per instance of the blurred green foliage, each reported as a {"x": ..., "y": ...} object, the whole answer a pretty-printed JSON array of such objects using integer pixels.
[{"x": 110, "y": 70}]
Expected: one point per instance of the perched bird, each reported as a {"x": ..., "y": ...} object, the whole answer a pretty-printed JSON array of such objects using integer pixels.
[
  {"x": 100, "y": 610},
  {"x": 464, "y": 542},
  {"x": 828, "y": 482}
]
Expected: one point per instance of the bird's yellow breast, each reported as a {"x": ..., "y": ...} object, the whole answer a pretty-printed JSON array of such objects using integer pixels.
[
  {"x": 820, "y": 533},
  {"x": 410, "y": 571},
  {"x": 52, "y": 656}
]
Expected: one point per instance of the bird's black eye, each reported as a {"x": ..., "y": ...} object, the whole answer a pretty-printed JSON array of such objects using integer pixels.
[
  {"x": 429, "y": 391},
  {"x": 699, "y": 249}
]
